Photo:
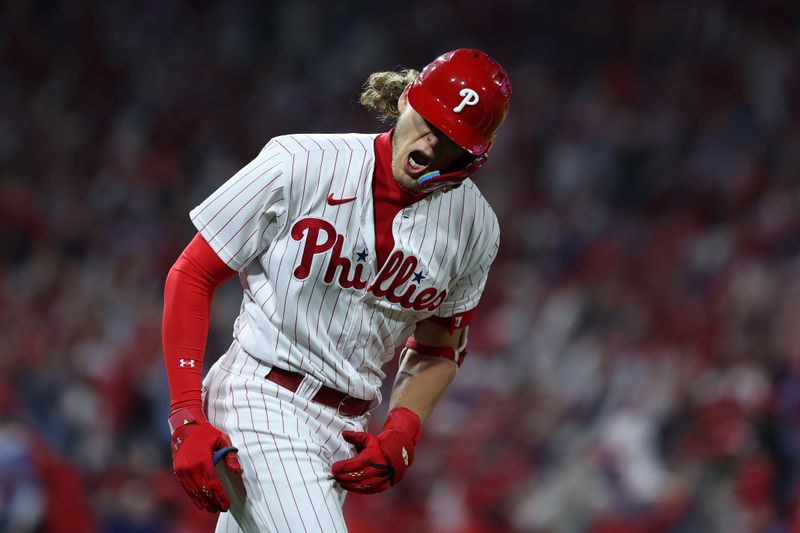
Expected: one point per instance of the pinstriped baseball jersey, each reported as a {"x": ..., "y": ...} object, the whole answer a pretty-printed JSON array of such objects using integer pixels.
[{"x": 298, "y": 224}]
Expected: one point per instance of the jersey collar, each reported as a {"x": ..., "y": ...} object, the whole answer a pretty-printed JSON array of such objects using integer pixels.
[{"x": 384, "y": 179}]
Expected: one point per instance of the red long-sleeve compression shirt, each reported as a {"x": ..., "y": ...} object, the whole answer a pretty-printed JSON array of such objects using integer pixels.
[{"x": 188, "y": 292}]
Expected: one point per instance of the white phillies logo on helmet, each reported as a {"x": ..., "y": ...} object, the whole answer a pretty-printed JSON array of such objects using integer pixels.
[{"x": 470, "y": 98}]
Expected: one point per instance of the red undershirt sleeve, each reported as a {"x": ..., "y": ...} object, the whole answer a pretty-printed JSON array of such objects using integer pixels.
[{"x": 188, "y": 292}]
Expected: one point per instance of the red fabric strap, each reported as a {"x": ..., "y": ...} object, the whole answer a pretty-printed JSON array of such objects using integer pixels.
[
  {"x": 184, "y": 417},
  {"x": 188, "y": 292},
  {"x": 458, "y": 320},
  {"x": 446, "y": 352}
]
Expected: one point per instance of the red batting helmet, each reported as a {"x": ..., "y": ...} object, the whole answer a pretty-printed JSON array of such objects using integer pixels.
[{"x": 465, "y": 94}]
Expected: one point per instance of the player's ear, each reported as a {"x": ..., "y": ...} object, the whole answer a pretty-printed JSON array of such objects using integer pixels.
[{"x": 402, "y": 102}]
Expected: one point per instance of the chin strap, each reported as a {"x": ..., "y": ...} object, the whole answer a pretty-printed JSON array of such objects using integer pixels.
[{"x": 434, "y": 181}]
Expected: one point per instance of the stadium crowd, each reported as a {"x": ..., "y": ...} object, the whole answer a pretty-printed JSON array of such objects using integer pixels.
[{"x": 636, "y": 362}]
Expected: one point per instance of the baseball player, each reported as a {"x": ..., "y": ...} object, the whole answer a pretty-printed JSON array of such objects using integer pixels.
[{"x": 347, "y": 246}]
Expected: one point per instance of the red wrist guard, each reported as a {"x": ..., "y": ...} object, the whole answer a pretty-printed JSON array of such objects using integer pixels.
[
  {"x": 184, "y": 417},
  {"x": 405, "y": 421}
]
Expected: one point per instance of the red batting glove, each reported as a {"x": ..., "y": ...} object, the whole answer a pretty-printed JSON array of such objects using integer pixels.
[
  {"x": 382, "y": 461},
  {"x": 194, "y": 441}
]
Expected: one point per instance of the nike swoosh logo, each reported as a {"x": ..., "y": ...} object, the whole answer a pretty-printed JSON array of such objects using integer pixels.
[{"x": 338, "y": 201}]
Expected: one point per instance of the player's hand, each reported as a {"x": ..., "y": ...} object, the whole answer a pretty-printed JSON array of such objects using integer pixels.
[
  {"x": 382, "y": 461},
  {"x": 194, "y": 441}
]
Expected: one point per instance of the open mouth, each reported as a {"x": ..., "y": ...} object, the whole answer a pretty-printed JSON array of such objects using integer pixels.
[{"x": 417, "y": 163}]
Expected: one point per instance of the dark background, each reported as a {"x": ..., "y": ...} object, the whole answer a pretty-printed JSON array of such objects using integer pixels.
[{"x": 636, "y": 362}]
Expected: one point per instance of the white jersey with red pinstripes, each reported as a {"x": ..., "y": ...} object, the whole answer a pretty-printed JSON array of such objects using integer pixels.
[{"x": 298, "y": 224}]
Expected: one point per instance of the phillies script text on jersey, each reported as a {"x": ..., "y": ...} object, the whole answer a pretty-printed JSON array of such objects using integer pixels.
[{"x": 321, "y": 237}]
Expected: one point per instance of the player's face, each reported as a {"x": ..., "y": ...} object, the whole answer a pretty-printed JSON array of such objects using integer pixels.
[{"x": 418, "y": 147}]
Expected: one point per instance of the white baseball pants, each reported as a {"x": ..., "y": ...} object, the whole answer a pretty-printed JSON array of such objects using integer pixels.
[{"x": 287, "y": 444}]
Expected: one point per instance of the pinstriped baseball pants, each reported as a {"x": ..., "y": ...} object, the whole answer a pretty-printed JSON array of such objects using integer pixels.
[{"x": 287, "y": 445}]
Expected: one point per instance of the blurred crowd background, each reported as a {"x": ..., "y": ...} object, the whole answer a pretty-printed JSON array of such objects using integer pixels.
[{"x": 636, "y": 362}]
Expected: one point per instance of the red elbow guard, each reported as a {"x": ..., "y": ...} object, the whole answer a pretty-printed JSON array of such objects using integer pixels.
[{"x": 445, "y": 352}]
